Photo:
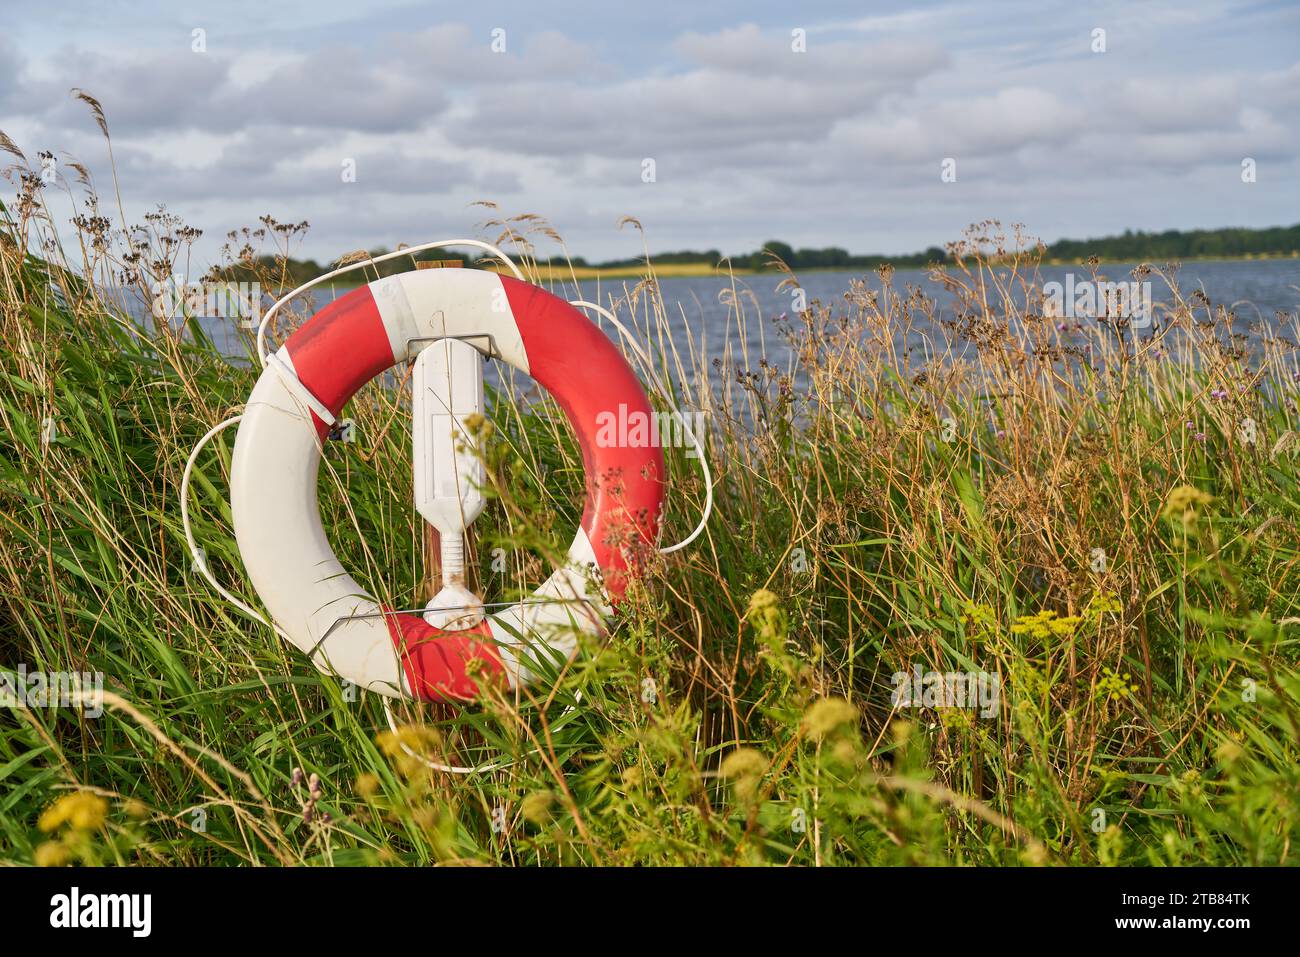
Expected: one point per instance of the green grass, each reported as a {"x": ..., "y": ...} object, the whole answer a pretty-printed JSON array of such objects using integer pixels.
[{"x": 874, "y": 513}]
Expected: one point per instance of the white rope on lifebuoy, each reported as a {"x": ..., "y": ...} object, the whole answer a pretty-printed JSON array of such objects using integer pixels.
[{"x": 681, "y": 419}]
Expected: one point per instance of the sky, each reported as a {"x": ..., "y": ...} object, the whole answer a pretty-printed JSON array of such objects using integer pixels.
[{"x": 717, "y": 126}]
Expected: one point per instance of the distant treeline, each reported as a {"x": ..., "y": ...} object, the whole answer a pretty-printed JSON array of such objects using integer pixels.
[
  {"x": 832, "y": 257},
  {"x": 1131, "y": 246},
  {"x": 1172, "y": 244},
  {"x": 295, "y": 272},
  {"x": 1175, "y": 244}
]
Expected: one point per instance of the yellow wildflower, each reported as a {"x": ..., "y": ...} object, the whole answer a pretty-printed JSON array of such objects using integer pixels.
[
  {"x": 826, "y": 715},
  {"x": 536, "y": 807},
  {"x": 51, "y": 854},
  {"x": 767, "y": 617},
  {"x": 1185, "y": 504},
  {"x": 744, "y": 767},
  {"x": 406, "y": 745},
  {"x": 1046, "y": 624},
  {"x": 1102, "y": 603},
  {"x": 1114, "y": 687},
  {"x": 1229, "y": 752},
  {"x": 81, "y": 810},
  {"x": 980, "y": 620}
]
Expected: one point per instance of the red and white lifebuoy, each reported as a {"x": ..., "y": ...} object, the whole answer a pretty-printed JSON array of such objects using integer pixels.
[{"x": 314, "y": 602}]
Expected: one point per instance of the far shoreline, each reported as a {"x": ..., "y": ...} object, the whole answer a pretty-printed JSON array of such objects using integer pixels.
[
  {"x": 553, "y": 273},
  {"x": 704, "y": 269}
]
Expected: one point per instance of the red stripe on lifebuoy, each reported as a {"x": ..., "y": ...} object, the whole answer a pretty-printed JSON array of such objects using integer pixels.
[
  {"x": 339, "y": 350},
  {"x": 437, "y": 662},
  {"x": 586, "y": 374}
]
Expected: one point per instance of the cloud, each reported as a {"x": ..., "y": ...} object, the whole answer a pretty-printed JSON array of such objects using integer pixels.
[
  {"x": 870, "y": 68},
  {"x": 840, "y": 144},
  {"x": 163, "y": 90},
  {"x": 1178, "y": 104},
  {"x": 455, "y": 56},
  {"x": 1007, "y": 122},
  {"x": 741, "y": 91},
  {"x": 336, "y": 89},
  {"x": 11, "y": 66}
]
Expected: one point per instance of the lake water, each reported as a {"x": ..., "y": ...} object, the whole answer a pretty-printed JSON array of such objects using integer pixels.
[{"x": 1256, "y": 290}]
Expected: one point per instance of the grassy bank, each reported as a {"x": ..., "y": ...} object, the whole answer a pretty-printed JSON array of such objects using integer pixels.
[{"x": 1105, "y": 535}]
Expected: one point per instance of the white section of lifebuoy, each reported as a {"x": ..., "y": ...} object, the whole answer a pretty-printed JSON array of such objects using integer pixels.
[
  {"x": 547, "y": 626},
  {"x": 285, "y": 550},
  {"x": 460, "y": 303}
]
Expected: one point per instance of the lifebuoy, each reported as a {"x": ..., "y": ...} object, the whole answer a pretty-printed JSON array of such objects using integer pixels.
[{"x": 315, "y": 602}]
